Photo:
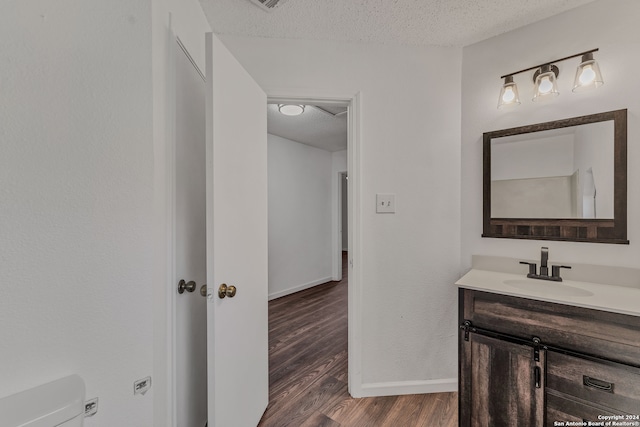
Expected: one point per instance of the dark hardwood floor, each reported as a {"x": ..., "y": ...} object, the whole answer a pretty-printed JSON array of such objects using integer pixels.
[{"x": 308, "y": 370}]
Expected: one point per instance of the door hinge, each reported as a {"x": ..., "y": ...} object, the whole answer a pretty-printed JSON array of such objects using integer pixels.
[
  {"x": 536, "y": 349},
  {"x": 467, "y": 327}
]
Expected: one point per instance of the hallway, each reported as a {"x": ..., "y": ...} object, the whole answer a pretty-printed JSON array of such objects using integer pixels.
[{"x": 308, "y": 370}]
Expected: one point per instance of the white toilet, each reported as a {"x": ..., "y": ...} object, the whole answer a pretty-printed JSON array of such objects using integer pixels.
[{"x": 56, "y": 404}]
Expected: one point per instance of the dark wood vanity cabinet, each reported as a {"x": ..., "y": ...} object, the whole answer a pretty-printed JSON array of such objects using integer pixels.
[
  {"x": 503, "y": 383},
  {"x": 527, "y": 362},
  {"x": 585, "y": 388}
]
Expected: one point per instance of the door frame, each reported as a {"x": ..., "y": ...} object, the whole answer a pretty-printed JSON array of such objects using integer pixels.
[
  {"x": 170, "y": 197},
  {"x": 178, "y": 49},
  {"x": 337, "y": 226},
  {"x": 354, "y": 206},
  {"x": 174, "y": 45}
]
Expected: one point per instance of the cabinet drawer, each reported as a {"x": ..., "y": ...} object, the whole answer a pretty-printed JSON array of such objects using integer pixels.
[
  {"x": 598, "y": 333},
  {"x": 561, "y": 409},
  {"x": 603, "y": 384}
]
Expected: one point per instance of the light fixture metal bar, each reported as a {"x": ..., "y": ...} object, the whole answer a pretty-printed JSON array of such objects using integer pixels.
[{"x": 550, "y": 62}]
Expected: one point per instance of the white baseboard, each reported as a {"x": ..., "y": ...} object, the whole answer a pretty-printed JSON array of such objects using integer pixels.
[
  {"x": 299, "y": 288},
  {"x": 444, "y": 385}
]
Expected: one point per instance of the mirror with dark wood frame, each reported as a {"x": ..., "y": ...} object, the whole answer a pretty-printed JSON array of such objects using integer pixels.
[{"x": 560, "y": 180}]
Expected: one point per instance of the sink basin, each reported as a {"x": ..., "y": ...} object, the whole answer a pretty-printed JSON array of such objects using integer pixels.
[{"x": 548, "y": 287}]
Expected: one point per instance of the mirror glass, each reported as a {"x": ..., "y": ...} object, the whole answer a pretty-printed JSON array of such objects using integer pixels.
[
  {"x": 559, "y": 180},
  {"x": 557, "y": 173}
]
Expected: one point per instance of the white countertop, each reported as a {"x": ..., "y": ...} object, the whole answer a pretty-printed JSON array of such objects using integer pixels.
[{"x": 616, "y": 299}]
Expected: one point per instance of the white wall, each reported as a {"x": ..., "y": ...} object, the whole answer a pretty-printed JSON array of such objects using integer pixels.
[
  {"x": 593, "y": 150},
  {"x": 610, "y": 25},
  {"x": 339, "y": 161},
  {"x": 410, "y": 146},
  {"x": 299, "y": 216},
  {"x": 83, "y": 241},
  {"x": 76, "y": 210},
  {"x": 533, "y": 158}
]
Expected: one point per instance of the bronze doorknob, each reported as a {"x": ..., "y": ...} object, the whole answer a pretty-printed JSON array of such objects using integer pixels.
[
  {"x": 226, "y": 291},
  {"x": 203, "y": 290},
  {"x": 186, "y": 286}
]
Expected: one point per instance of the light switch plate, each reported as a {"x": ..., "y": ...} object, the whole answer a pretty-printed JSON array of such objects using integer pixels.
[{"x": 385, "y": 203}]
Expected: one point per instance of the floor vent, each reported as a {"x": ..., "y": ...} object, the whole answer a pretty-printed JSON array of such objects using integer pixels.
[{"x": 268, "y": 5}]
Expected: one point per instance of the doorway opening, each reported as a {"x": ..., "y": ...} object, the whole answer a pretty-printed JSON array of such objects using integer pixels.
[
  {"x": 352, "y": 101},
  {"x": 306, "y": 155},
  {"x": 290, "y": 153}
]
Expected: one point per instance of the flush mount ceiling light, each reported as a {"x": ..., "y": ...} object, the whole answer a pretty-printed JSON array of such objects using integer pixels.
[
  {"x": 588, "y": 76},
  {"x": 291, "y": 109}
]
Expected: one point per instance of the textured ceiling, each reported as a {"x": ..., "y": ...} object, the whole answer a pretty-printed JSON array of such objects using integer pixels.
[
  {"x": 314, "y": 127},
  {"x": 394, "y": 22},
  {"x": 407, "y": 22}
]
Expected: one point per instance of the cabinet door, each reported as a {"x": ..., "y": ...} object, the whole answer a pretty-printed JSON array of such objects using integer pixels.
[{"x": 500, "y": 383}]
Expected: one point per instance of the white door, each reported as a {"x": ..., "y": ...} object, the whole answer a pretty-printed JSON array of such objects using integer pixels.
[
  {"x": 190, "y": 255},
  {"x": 237, "y": 345}
]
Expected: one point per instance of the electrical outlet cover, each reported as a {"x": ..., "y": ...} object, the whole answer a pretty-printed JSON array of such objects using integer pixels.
[
  {"x": 142, "y": 386},
  {"x": 90, "y": 407}
]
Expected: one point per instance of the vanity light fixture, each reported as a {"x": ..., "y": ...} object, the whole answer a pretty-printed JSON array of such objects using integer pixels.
[
  {"x": 291, "y": 109},
  {"x": 546, "y": 85},
  {"x": 509, "y": 93},
  {"x": 588, "y": 76}
]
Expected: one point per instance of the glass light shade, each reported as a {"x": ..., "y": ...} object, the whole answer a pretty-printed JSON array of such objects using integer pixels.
[
  {"x": 291, "y": 109},
  {"x": 508, "y": 93},
  {"x": 588, "y": 74},
  {"x": 545, "y": 84}
]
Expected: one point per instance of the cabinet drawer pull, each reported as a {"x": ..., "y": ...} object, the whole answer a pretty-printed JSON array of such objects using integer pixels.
[{"x": 597, "y": 384}]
